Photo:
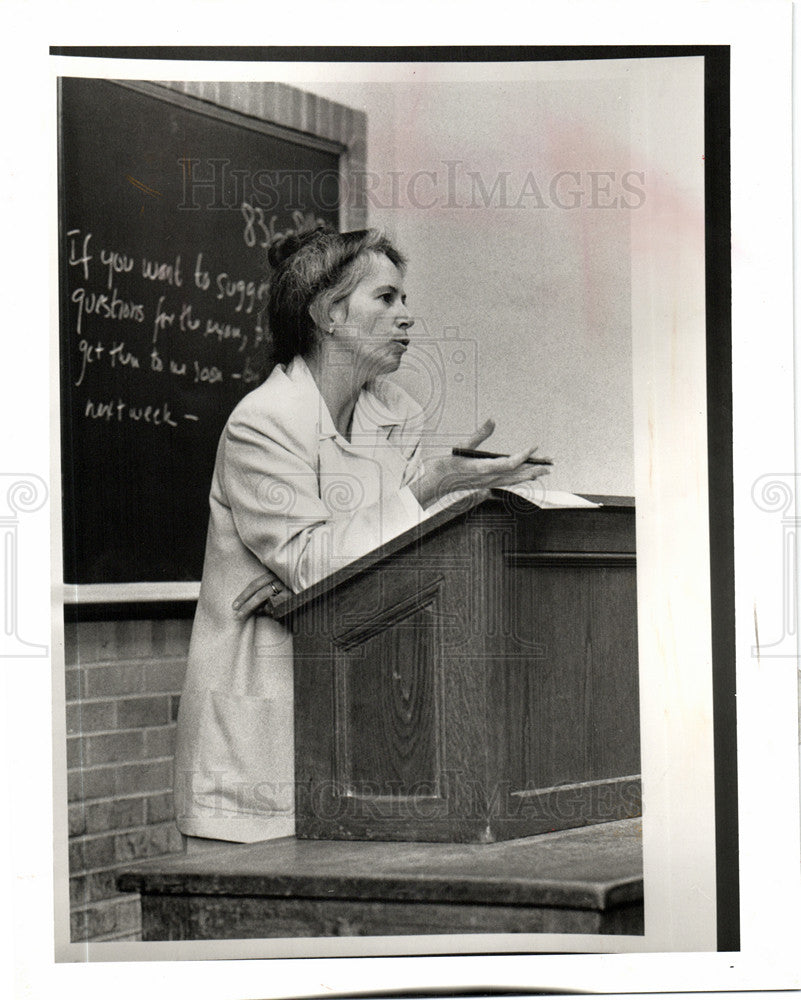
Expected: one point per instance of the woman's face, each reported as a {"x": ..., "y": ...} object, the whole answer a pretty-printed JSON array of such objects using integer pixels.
[{"x": 372, "y": 323}]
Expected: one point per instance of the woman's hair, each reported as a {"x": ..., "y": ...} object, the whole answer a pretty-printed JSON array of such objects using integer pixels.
[{"x": 313, "y": 270}]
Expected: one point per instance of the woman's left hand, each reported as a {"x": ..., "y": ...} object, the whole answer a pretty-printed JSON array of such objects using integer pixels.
[{"x": 259, "y": 596}]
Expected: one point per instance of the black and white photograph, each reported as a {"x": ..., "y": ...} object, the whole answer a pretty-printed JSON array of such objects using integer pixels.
[
  {"x": 349, "y": 492},
  {"x": 398, "y": 434}
]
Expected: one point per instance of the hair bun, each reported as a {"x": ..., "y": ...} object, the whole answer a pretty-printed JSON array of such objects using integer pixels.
[{"x": 285, "y": 245}]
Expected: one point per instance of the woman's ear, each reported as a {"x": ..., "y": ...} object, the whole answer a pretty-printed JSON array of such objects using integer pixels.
[
  {"x": 328, "y": 315},
  {"x": 320, "y": 317},
  {"x": 338, "y": 312}
]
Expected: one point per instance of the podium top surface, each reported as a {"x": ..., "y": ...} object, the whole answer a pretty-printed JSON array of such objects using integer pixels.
[
  {"x": 287, "y": 605},
  {"x": 595, "y": 867}
]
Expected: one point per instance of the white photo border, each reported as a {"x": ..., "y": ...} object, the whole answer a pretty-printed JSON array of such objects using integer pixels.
[{"x": 767, "y": 767}]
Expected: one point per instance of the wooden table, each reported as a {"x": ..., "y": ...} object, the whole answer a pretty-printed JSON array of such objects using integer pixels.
[{"x": 586, "y": 880}]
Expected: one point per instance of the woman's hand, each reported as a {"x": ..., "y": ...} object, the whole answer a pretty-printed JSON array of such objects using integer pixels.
[
  {"x": 259, "y": 596},
  {"x": 448, "y": 473}
]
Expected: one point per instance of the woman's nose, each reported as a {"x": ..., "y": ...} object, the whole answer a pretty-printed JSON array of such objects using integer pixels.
[{"x": 405, "y": 320}]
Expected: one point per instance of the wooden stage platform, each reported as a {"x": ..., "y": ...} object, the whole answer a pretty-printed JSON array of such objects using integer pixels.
[{"x": 582, "y": 881}]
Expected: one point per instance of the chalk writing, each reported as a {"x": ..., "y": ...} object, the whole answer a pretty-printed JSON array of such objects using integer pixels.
[
  {"x": 92, "y": 303},
  {"x": 118, "y": 410},
  {"x": 115, "y": 355},
  {"x": 162, "y": 319},
  {"x": 210, "y": 373},
  {"x": 118, "y": 354},
  {"x": 249, "y": 374},
  {"x": 117, "y": 263},
  {"x": 89, "y": 353},
  {"x": 169, "y": 273},
  {"x": 202, "y": 278},
  {"x": 185, "y": 320},
  {"x": 83, "y": 260},
  {"x": 257, "y": 226},
  {"x": 224, "y": 331},
  {"x": 120, "y": 274},
  {"x": 242, "y": 291}
]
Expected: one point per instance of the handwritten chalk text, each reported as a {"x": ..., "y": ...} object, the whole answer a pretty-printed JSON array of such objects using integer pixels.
[
  {"x": 120, "y": 411},
  {"x": 92, "y": 303}
]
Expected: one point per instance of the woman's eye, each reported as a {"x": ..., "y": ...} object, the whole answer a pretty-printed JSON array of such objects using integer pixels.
[{"x": 387, "y": 297}]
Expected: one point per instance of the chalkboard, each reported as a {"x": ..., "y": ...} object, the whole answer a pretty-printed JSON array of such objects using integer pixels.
[{"x": 166, "y": 206}]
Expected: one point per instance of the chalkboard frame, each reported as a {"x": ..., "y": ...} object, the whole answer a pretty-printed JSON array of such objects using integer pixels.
[{"x": 273, "y": 109}]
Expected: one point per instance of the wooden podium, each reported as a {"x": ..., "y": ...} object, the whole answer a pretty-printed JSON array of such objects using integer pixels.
[{"x": 473, "y": 680}]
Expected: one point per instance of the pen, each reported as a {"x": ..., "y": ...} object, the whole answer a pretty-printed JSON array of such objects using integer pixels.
[{"x": 470, "y": 453}]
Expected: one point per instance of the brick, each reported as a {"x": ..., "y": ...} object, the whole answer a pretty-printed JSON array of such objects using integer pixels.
[
  {"x": 135, "y": 712},
  {"x": 129, "y": 914},
  {"x": 79, "y": 890},
  {"x": 88, "y": 853},
  {"x": 70, "y": 644},
  {"x": 164, "y": 675},
  {"x": 158, "y": 638},
  {"x": 76, "y": 752},
  {"x": 100, "y": 919},
  {"x": 127, "y": 918},
  {"x": 114, "y": 814},
  {"x": 91, "y": 783},
  {"x": 149, "y": 842},
  {"x": 73, "y": 684},
  {"x": 134, "y": 639},
  {"x": 90, "y": 717},
  {"x": 76, "y": 818},
  {"x": 151, "y": 776},
  {"x": 107, "y": 641},
  {"x": 115, "y": 678},
  {"x": 121, "y": 938},
  {"x": 160, "y": 742},
  {"x": 101, "y": 885},
  {"x": 96, "y": 642},
  {"x": 160, "y": 808},
  {"x": 114, "y": 747},
  {"x": 87, "y": 641},
  {"x": 75, "y": 859},
  {"x": 171, "y": 637},
  {"x": 78, "y": 928}
]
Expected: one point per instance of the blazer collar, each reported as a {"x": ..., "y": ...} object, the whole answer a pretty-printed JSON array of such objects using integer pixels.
[{"x": 370, "y": 413}]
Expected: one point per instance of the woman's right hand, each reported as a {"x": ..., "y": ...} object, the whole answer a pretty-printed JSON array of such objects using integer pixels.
[
  {"x": 448, "y": 473},
  {"x": 259, "y": 596}
]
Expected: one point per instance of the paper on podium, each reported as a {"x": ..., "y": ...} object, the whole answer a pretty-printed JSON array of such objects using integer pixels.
[
  {"x": 546, "y": 499},
  {"x": 536, "y": 495}
]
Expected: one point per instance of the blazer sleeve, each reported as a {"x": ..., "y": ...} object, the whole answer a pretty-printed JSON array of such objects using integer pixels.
[{"x": 273, "y": 492}]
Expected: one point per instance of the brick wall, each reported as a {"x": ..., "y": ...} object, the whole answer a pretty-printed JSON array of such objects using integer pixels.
[{"x": 123, "y": 680}]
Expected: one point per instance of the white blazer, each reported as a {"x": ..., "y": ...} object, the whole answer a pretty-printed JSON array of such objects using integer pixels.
[{"x": 289, "y": 493}]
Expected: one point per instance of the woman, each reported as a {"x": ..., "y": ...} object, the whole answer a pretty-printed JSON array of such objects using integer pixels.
[{"x": 316, "y": 467}]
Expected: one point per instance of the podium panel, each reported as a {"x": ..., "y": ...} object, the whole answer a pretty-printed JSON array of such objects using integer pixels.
[{"x": 474, "y": 681}]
